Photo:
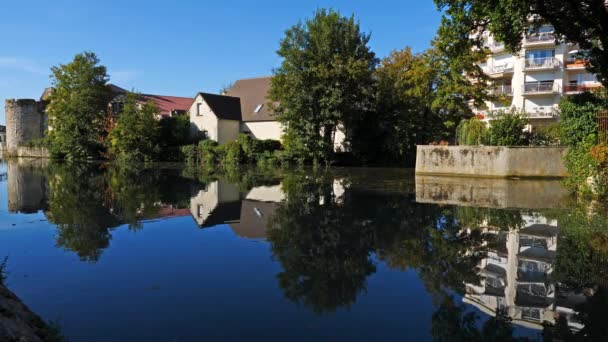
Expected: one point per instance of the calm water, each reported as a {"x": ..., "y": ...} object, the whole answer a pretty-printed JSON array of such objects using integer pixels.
[{"x": 168, "y": 254}]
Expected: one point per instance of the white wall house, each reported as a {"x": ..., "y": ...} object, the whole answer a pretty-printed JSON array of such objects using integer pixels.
[
  {"x": 535, "y": 78},
  {"x": 217, "y": 117},
  {"x": 255, "y": 117}
]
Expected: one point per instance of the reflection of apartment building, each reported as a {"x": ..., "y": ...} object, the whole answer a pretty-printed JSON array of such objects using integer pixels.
[
  {"x": 534, "y": 79},
  {"x": 516, "y": 275},
  {"x": 247, "y": 214}
]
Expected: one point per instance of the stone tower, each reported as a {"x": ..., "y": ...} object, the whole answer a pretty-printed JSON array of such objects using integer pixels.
[{"x": 25, "y": 120}]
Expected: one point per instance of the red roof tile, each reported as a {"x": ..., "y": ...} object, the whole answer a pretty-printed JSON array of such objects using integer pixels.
[{"x": 167, "y": 104}]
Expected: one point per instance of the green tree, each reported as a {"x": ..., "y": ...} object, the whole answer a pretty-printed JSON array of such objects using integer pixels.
[
  {"x": 508, "y": 130},
  {"x": 76, "y": 108},
  {"x": 136, "y": 134},
  {"x": 324, "y": 83},
  {"x": 404, "y": 115},
  {"x": 582, "y": 22}
]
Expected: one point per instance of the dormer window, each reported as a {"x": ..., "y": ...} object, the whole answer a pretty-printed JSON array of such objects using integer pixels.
[{"x": 258, "y": 108}]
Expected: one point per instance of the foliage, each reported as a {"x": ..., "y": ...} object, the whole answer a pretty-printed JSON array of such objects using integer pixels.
[
  {"x": 76, "y": 108},
  {"x": 37, "y": 143},
  {"x": 578, "y": 116},
  {"x": 175, "y": 131},
  {"x": 508, "y": 129},
  {"x": 548, "y": 135},
  {"x": 135, "y": 138},
  {"x": 588, "y": 173},
  {"x": 244, "y": 150},
  {"x": 324, "y": 83},
  {"x": 472, "y": 132},
  {"x": 581, "y": 22},
  {"x": 404, "y": 109}
]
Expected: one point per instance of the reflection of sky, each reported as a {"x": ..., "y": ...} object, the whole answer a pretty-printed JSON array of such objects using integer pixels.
[{"x": 172, "y": 280}]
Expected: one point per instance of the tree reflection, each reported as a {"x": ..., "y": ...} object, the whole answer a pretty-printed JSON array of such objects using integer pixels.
[
  {"x": 86, "y": 201},
  {"x": 323, "y": 247}
]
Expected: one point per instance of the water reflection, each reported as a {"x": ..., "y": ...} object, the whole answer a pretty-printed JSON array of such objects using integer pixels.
[{"x": 495, "y": 257}]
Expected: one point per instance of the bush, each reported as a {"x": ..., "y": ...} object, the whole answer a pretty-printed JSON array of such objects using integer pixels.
[
  {"x": 36, "y": 143},
  {"x": 471, "y": 132},
  {"x": 508, "y": 130},
  {"x": 208, "y": 151},
  {"x": 545, "y": 135},
  {"x": 578, "y": 115},
  {"x": 190, "y": 154}
]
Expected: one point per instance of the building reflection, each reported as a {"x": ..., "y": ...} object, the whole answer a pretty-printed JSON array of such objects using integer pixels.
[
  {"x": 247, "y": 214},
  {"x": 27, "y": 189}
]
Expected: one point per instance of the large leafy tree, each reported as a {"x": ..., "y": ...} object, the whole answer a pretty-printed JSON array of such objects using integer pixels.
[
  {"x": 136, "y": 134},
  {"x": 325, "y": 82},
  {"x": 76, "y": 107},
  {"x": 584, "y": 22}
]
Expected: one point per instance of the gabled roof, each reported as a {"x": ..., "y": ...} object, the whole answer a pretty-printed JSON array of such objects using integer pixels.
[
  {"x": 168, "y": 104},
  {"x": 253, "y": 92},
  {"x": 224, "y": 107}
]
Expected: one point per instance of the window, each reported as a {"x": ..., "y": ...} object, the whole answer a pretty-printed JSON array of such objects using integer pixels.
[
  {"x": 199, "y": 211},
  {"x": 258, "y": 108},
  {"x": 199, "y": 112}
]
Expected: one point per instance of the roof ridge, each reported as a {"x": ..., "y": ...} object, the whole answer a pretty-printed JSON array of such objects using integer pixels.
[
  {"x": 183, "y": 97},
  {"x": 253, "y": 78},
  {"x": 204, "y": 93}
]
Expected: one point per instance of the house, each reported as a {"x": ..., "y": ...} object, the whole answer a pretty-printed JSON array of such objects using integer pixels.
[
  {"x": 244, "y": 109},
  {"x": 168, "y": 105},
  {"x": 217, "y": 117}
]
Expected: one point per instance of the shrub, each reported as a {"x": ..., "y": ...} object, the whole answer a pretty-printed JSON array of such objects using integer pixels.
[
  {"x": 509, "y": 130},
  {"x": 37, "y": 143},
  {"x": 190, "y": 154},
  {"x": 578, "y": 115},
  {"x": 208, "y": 151},
  {"x": 545, "y": 135},
  {"x": 471, "y": 132}
]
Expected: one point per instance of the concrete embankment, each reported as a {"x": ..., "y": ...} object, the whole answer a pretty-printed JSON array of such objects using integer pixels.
[
  {"x": 19, "y": 323},
  {"x": 491, "y": 161}
]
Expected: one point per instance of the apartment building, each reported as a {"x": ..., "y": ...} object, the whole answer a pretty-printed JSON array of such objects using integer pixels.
[{"x": 534, "y": 79}]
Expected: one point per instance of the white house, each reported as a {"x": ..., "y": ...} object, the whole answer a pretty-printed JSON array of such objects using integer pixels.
[
  {"x": 244, "y": 109},
  {"x": 218, "y": 117}
]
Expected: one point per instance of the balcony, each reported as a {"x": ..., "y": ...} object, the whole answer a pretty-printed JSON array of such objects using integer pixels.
[
  {"x": 542, "y": 113},
  {"x": 500, "y": 71},
  {"x": 496, "y": 47},
  {"x": 579, "y": 88},
  {"x": 576, "y": 63},
  {"x": 543, "y": 63},
  {"x": 542, "y": 38},
  {"x": 540, "y": 88},
  {"x": 502, "y": 90}
]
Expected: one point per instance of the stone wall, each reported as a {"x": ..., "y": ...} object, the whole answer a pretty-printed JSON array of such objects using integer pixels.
[
  {"x": 25, "y": 120},
  {"x": 491, "y": 161},
  {"x": 25, "y": 152}
]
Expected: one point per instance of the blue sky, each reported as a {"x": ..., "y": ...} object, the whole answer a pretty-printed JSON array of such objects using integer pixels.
[{"x": 179, "y": 47}]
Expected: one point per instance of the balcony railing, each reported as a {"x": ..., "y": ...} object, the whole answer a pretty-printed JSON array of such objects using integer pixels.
[
  {"x": 542, "y": 113},
  {"x": 503, "y": 68},
  {"x": 576, "y": 63},
  {"x": 539, "y": 38},
  {"x": 577, "y": 88},
  {"x": 497, "y": 46},
  {"x": 502, "y": 90},
  {"x": 540, "y": 88},
  {"x": 541, "y": 63}
]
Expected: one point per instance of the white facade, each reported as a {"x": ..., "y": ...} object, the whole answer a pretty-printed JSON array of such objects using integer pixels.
[
  {"x": 534, "y": 79},
  {"x": 263, "y": 129},
  {"x": 204, "y": 121}
]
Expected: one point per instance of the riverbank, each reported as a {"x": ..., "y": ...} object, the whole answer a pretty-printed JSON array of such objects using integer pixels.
[
  {"x": 24, "y": 152},
  {"x": 19, "y": 323}
]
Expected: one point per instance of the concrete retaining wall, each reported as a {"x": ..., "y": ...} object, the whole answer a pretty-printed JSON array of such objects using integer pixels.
[{"x": 491, "y": 161}]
